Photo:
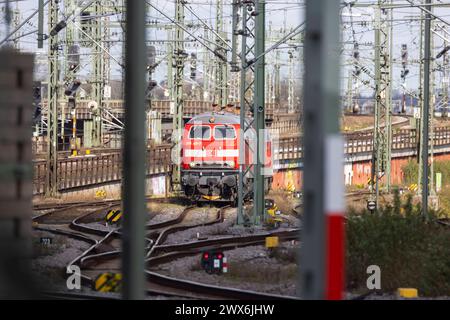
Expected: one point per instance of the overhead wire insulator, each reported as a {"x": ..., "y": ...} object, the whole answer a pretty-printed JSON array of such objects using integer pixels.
[
  {"x": 59, "y": 26},
  {"x": 443, "y": 51}
]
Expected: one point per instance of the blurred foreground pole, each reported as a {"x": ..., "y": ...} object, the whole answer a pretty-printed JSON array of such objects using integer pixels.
[
  {"x": 322, "y": 255},
  {"x": 133, "y": 191},
  {"x": 16, "y": 187}
]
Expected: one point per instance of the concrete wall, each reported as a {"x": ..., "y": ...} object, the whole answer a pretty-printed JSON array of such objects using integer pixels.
[
  {"x": 283, "y": 180},
  {"x": 355, "y": 173}
]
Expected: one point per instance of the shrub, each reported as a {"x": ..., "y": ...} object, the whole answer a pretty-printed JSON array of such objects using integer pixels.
[
  {"x": 410, "y": 251},
  {"x": 410, "y": 172}
]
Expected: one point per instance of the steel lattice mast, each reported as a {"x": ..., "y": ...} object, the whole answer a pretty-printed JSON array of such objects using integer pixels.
[
  {"x": 97, "y": 86},
  {"x": 247, "y": 33},
  {"x": 221, "y": 87},
  {"x": 52, "y": 114},
  {"x": 252, "y": 87},
  {"x": 179, "y": 58},
  {"x": 70, "y": 69},
  {"x": 259, "y": 112},
  {"x": 381, "y": 158}
]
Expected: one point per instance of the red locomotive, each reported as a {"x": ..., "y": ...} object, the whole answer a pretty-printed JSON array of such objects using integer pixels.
[{"x": 210, "y": 157}]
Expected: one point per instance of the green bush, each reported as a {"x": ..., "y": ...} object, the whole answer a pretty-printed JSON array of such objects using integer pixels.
[
  {"x": 410, "y": 170},
  {"x": 410, "y": 251}
]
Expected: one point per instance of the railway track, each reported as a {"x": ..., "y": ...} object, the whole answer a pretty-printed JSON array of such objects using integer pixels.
[{"x": 95, "y": 259}]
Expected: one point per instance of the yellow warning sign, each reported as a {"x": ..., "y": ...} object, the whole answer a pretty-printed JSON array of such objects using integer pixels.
[
  {"x": 413, "y": 187},
  {"x": 113, "y": 216},
  {"x": 407, "y": 292},
  {"x": 290, "y": 187},
  {"x": 211, "y": 198},
  {"x": 272, "y": 242},
  {"x": 100, "y": 194},
  {"x": 108, "y": 282}
]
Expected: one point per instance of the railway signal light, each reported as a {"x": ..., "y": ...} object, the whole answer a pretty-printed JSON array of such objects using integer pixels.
[
  {"x": 356, "y": 51},
  {"x": 151, "y": 85},
  {"x": 73, "y": 58},
  {"x": 193, "y": 65},
  {"x": 404, "y": 54},
  {"x": 214, "y": 262},
  {"x": 71, "y": 103},
  {"x": 151, "y": 56}
]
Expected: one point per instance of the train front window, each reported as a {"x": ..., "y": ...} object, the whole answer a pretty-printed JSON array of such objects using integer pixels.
[
  {"x": 224, "y": 133},
  {"x": 200, "y": 132}
]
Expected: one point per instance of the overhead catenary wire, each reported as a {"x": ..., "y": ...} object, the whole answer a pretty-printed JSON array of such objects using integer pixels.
[
  {"x": 205, "y": 24},
  {"x": 187, "y": 31},
  {"x": 10, "y": 34}
]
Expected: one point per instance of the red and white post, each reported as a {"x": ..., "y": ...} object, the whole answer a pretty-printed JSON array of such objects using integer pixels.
[
  {"x": 322, "y": 251},
  {"x": 334, "y": 217}
]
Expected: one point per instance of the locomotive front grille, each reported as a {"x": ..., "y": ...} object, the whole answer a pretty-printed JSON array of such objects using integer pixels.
[{"x": 212, "y": 164}]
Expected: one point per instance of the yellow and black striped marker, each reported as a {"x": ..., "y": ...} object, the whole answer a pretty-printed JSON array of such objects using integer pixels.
[
  {"x": 108, "y": 282},
  {"x": 113, "y": 216},
  {"x": 413, "y": 187}
]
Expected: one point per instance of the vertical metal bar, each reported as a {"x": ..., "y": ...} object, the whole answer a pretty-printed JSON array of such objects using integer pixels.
[
  {"x": 180, "y": 56},
  {"x": 431, "y": 111},
  {"x": 97, "y": 64},
  {"x": 291, "y": 82},
  {"x": 206, "y": 75},
  {"x": 277, "y": 80},
  {"x": 420, "y": 121},
  {"x": 133, "y": 192},
  {"x": 52, "y": 122},
  {"x": 259, "y": 111},
  {"x": 234, "y": 36},
  {"x": 376, "y": 138},
  {"x": 40, "y": 33},
  {"x": 243, "y": 109},
  {"x": 445, "y": 63},
  {"x": 426, "y": 108},
  {"x": 381, "y": 157},
  {"x": 321, "y": 273},
  {"x": 388, "y": 50},
  {"x": 221, "y": 88}
]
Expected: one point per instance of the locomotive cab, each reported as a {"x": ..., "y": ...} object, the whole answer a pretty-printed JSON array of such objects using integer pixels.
[{"x": 210, "y": 157}]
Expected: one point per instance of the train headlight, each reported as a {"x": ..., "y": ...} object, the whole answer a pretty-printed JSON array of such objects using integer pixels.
[{"x": 230, "y": 164}]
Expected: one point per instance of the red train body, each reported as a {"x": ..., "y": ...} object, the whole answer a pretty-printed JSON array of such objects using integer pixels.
[{"x": 210, "y": 157}]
